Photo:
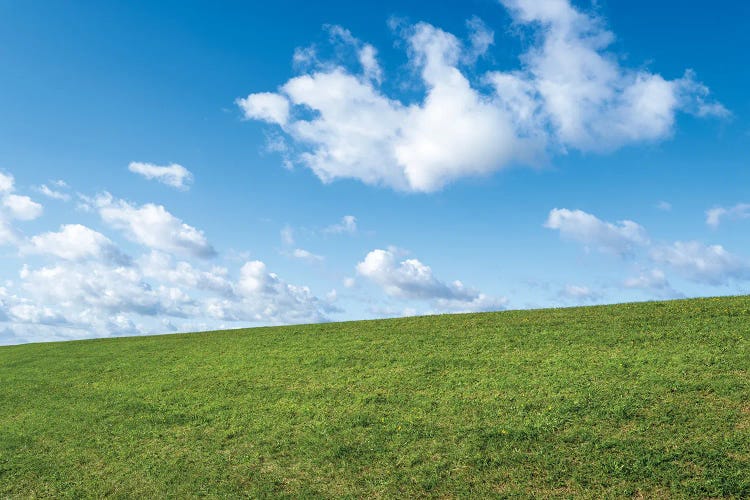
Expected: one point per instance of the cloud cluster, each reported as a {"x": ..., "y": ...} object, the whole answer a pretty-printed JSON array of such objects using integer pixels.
[
  {"x": 82, "y": 284},
  {"x": 569, "y": 92},
  {"x": 707, "y": 264}
]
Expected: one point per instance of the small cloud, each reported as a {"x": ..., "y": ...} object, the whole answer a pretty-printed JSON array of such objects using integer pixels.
[
  {"x": 51, "y": 193},
  {"x": 348, "y": 225},
  {"x": 737, "y": 212},
  {"x": 173, "y": 175},
  {"x": 287, "y": 235},
  {"x": 579, "y": 293},
  {"x": 302, "y": 254},
  {"x": 620, "y": 238},
  {"x": 664, "y": 206}
]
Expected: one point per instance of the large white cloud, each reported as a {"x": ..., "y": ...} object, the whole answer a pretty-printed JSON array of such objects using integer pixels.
[
  {"x": 173, "y": 175},
  {"x": 412, "y": 279},
  {"x": 568, "y": 92},
  {"x": 620, "y": 238},
  {"x": 153, "y": 226}
]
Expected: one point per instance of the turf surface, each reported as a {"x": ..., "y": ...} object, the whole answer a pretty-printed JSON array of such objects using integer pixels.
[{"x": 649, "y": 399}]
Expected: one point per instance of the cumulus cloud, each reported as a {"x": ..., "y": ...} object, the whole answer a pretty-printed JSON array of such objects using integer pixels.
[
  {"x": 716, "y": 214},
  {"x": 153, "y": 226},
  {"x": 173, "y": 175},
  {"x": 86, "y": 287},
  {"x": 22, "y": 207},
  {"x": 84, "y": 298},
  {"x": 576, "y": 225},
  {"x": 347, "y": 225},
  {"x": 90, "y": 289},
  {"x": 569, "y": 92},
  {"x": 160, "y": 266},
  {"x": 710, "y": 264},
  {"x": 412, "y": 279},
  {"x": 74, "y": 242}
]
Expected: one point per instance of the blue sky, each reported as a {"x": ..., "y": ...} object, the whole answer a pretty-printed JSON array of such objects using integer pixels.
[{"x": 178, "y": 166}]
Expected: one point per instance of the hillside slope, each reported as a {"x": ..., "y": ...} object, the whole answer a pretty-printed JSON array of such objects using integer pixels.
[{"x": 647, "y": 399}]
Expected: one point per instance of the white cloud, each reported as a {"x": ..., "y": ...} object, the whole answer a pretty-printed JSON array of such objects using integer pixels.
[
  {"x": 264, "y": 297},
  {"x": 51, "y": 193},
  {"x": 173, "y": 175},
  {"x": 710, "y": 264},
  {"x": 160, "y": 266},
  {"x": 265, "y": 106},
  {"x": 93, "y": 289},
  {"x": 568, "y": 92},
  {"x": 412, "y": 279},
  {"x": 153, "y": 226},
  {"x": 302, "y": 254},
  {"x": 715, "y": 215},
  {"x": 366, "y": 53},
  {"x": 621, "y": 238},
  {"x": 287, "y": 235},
  {"x": 13, "y": 206},
  {"x": 22, "y": 207},
  {"x": 579, "y": 293},
  {"x": 74, "y": 242},
  {"x": 6, "y": 183},
  {"x": 480, "y": 37},
  {"x": 655, "y": 279},
  {"x": 8, "y": 234},
  {"x": 347, "y": 225}
]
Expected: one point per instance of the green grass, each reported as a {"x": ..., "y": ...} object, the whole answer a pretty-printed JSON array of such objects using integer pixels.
[{"x": 648, "y": 399}]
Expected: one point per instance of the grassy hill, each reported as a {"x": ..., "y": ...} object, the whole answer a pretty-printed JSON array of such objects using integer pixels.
[{"x": 648, "y": 399}]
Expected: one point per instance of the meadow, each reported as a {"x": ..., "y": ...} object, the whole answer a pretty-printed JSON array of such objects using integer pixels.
[{"x": 632, "y": 400}]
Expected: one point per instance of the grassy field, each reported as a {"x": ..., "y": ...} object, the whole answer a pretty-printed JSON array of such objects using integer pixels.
[{"x": 648, "y": 399}]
